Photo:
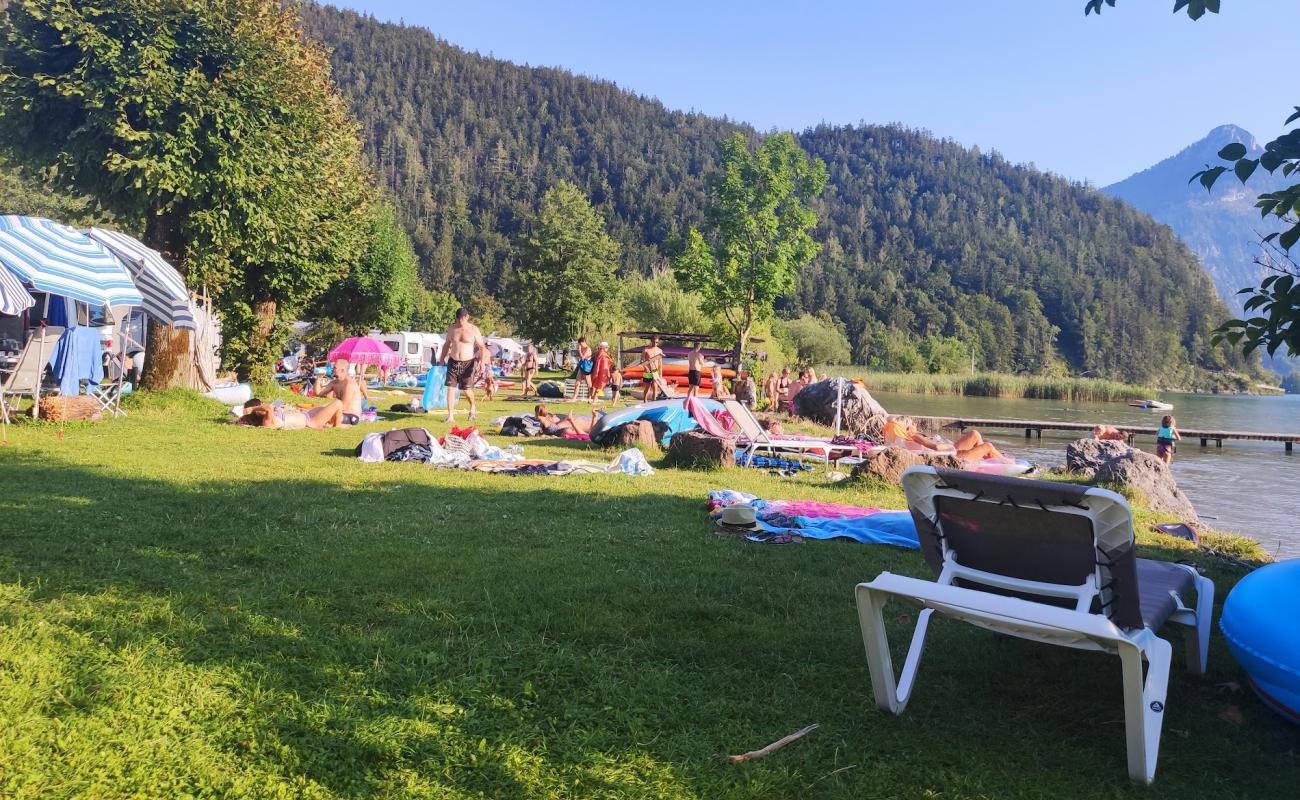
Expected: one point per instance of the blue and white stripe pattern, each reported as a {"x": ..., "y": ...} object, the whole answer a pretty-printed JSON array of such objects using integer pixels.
[
  {"x": 14, "y": 299},
  {"x": 165, "y": 297},
  {"x": 54, "y": 258}
]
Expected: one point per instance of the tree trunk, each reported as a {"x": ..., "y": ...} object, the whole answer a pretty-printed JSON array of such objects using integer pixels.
[
  {"x": 260, "y": 368},
  {"x": 742, "y": 339},
  {"x": 168, "y": 361}
]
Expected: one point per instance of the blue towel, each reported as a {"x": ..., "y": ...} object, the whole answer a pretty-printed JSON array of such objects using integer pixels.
[
  {"x": 78, "y": 356},
  {"x": 888, "y": 527}
]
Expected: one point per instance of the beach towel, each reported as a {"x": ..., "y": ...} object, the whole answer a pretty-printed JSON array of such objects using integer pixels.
[
  {"x": 707, "y": 422},
  {"x": 817, "y": 520}
]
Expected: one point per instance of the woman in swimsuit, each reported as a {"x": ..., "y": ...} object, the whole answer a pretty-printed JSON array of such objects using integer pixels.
[
  {"x": 291, "y": 418},
  {"x": 528, "y": 370},
  {"x": 586, "y": 365},
  {"x": 555, "y": 425},
  {"x": 971, "y": 446}
]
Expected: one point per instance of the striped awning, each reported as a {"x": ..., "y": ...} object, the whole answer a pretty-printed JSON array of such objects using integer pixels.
[
  {"x": 54, "y": 258},
  {"x": 14, "y": 297},
  {"x": 165, "y": 297}
]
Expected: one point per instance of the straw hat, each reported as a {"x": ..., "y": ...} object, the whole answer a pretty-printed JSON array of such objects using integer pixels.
[
  {"x": 739, "y": 517},
  {"x": 604, "y": 344}
]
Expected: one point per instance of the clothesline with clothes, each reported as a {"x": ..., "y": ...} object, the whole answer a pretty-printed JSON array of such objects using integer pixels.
[{"x": 816, "y": 520}]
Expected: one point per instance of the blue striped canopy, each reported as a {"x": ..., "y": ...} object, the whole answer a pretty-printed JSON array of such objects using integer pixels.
[
  {"x": 54, "y": 258},
  {"x": 165, "y": 297},
  {"x": 14, "y": 297}
]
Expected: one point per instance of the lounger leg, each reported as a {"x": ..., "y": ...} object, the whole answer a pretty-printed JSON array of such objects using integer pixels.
[
  {"x": 1197, "y": 639},
  {"x": 1144, "y": 702},
  {"x": 890, "y": 695}
]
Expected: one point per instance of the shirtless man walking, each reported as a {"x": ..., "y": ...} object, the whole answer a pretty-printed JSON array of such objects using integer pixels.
[
  {"x": 652, "y": 358},
  {"x": 347, "y": 390},
  {"x": 461, "y": 352}
]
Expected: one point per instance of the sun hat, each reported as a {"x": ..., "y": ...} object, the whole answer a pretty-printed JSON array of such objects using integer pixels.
[
  {"x": 604, "y": 344},
  {"x": 739, "y": 517}
]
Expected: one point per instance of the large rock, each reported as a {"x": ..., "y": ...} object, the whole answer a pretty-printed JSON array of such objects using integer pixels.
[
  {"x": 1118, "y": 464},
  {"x": 860, "y": 414},
  {"x": 637, "y": 433},
  {"x": 699, "y": 450},
  {"x": 890, "y": 463},
  {"x": 1085, "y": 456}
]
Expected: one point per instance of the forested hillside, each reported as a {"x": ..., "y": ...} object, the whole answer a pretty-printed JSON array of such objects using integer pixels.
[{"x": 924, "y": 239}]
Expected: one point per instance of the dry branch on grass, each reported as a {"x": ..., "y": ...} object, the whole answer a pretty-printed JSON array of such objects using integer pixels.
[{"x": 754, "y": 755}]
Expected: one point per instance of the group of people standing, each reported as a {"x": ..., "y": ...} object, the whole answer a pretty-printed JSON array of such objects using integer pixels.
[
  {"x": 467, "y": 358},
  {"x": 779, "y": 389}
]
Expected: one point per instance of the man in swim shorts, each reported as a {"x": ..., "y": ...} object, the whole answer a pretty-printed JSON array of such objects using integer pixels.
[
  {"x": 347, "y": 390},
  {"x": 694, "y": 370},
  {"x": 461, "y": 352},
  {"x": 652, "y": 358}
]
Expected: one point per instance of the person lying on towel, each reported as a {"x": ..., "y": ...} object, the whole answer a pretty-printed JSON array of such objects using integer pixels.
[
  {"x": 291, "y": 418},
  {"x": 555, "y": 425}
]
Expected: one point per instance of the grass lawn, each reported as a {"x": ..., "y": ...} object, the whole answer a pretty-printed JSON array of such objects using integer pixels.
[{"x": 196, "y": 609}]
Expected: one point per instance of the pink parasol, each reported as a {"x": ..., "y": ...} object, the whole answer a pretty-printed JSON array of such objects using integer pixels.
[{"x": 364, "y": 350}]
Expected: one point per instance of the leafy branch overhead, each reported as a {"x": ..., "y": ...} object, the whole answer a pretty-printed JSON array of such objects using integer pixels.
[{"x": 1195, "y": 8}]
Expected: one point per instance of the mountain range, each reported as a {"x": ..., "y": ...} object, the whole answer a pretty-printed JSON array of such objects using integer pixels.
[{"x": 1222, "y": 226}]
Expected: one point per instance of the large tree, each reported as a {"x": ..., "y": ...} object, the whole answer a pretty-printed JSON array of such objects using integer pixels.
[
  {"x": 758, "y": 225},
  {"x": 383, "y": 289},
  {"x": 1277, "y": 298},
  {"x": 215, "y": 123},
  {"x": 565, "y": 278}
]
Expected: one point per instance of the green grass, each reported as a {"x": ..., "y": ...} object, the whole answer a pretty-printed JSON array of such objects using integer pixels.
[
  {"x": 196, "y": 609},
  {"x": 992, "y": 384}
]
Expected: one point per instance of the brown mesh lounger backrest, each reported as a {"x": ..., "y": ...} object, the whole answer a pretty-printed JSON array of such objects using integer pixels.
[{"x": 1022, "y": 528}]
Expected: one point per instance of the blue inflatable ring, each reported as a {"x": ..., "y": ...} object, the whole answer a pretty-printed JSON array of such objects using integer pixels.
[{"x": 1261, "y": 621}]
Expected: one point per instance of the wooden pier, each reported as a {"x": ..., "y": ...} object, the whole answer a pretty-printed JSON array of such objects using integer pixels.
[{"x": 1034, "y": 428}]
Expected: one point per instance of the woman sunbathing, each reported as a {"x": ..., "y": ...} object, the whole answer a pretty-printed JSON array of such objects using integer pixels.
[
  {"x": 1109, "y": 433},
  {"x": 291, "y": 418},
  {"x": 555, "y": 425},
  {"x": 902, "y": 432}
]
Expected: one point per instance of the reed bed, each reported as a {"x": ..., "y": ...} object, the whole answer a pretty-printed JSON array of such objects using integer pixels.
[{"x": 990, "y": 384}]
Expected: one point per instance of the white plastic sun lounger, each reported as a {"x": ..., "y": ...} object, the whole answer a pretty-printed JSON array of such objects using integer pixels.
[
  {"x": 758, "y": 439},
  {"x": 1048, "y": 562}
]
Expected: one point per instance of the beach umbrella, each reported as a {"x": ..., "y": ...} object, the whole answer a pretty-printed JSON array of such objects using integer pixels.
[
  {"x": 54, "y": 258},
  {"x": 14, "y": 298},
  {"x": 165, "y": 295},
  {"x": 364, "y": 350}
]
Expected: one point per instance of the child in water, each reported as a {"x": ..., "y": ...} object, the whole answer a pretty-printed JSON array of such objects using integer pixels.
[{"x": 1166, "y": 439}]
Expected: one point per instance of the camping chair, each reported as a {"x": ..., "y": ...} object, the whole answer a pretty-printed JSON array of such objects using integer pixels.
[
  {"x": 759, "y": 439},
  {"x": 25, "y": 380},
  {"x": 109, "y": 392},
  {"x": 1048, "y": 562}
]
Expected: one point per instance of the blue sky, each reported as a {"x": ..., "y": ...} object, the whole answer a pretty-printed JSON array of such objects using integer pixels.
[{"x": 1094, "y": 98}]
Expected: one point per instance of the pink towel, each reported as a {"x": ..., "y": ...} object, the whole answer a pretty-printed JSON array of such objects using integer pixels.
[
  {"x": 812, "y": 508},
  {"x": 695, "y": 407}
]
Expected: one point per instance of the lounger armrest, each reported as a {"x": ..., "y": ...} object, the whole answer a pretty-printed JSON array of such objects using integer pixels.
[{"x": 1012, "y": 614}]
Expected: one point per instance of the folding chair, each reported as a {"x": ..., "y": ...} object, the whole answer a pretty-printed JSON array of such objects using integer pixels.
[
  {"x": 1048, "y": 562},
  {"x": 109, "y": 393},
  {"x": 25, "y": 380},
  {"x": 759, "y": 439}
]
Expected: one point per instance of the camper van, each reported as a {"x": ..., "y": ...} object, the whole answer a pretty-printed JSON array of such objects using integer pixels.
[{"x": 418, "y": 349}]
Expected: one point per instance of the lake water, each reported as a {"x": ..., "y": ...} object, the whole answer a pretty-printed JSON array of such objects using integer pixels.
[{"x": 1252, "y": 488}]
